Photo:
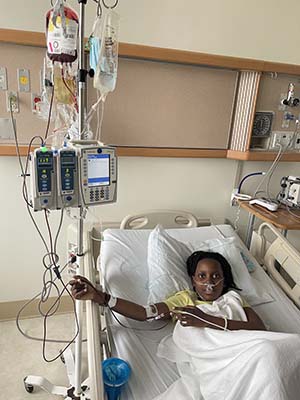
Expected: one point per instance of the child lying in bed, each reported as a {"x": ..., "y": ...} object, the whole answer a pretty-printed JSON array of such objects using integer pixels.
[{"x": 212, "y": 280}]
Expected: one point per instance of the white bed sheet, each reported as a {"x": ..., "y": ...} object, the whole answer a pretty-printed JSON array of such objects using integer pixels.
[{"x": 124, "y": 266}]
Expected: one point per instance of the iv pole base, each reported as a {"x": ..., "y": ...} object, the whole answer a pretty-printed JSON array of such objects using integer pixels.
[{"x": 31, "y": 382}]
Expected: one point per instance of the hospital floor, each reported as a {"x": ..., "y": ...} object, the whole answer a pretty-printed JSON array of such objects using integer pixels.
[{"x": 20, "y": 356}]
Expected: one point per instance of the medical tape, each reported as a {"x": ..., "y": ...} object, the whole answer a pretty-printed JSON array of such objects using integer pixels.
[
  {"x": 112, "y": 302},
  {"x": 210, "y": 286},
  {"x": 151, "y": 311}
]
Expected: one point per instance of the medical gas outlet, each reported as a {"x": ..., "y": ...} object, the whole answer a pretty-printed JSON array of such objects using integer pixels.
[
  {"x": 12, "y": 101},
  {"x": 284, "y": 139}
]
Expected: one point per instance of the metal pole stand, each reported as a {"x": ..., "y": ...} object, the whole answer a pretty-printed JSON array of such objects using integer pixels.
[{"x": 92, "y": 387}]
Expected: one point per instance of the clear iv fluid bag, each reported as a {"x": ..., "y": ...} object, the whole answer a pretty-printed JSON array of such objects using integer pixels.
[{"x": 106, "y": 72}]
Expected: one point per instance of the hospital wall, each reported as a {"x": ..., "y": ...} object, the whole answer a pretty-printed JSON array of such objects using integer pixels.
[{"x": 200, "y": 185}]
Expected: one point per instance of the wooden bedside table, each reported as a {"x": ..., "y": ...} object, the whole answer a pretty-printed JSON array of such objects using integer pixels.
[{"x": 281, "y": 218}]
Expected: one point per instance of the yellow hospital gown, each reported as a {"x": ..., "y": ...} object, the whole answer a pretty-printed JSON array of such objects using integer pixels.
[{"x": 187, "y": 298}]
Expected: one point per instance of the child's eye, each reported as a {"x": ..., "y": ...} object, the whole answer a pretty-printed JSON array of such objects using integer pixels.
[
  {"x": 201, "y": 276},
  {"x": 215, "y": 276}
]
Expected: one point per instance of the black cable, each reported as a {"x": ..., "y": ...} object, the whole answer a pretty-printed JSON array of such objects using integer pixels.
[
  {"x": 23, "y": 172},
  {"x": 45, "y": 298},
  {"x": 58, "y": 229},
  {"x": 113, "y": 6},
  {"x": 26, "y": 305},
  {"x": 16, "y": 138},
  {"x": 49, "y": 114},
  {"x": 55, "y": 305},
  {"x": 99, "y": 8},
  {"x": 54, "y": 261},
  {"x": 24, "y": 187},
  {"x": 37, "y": 228},
  {"x": 45, "y": 326}
]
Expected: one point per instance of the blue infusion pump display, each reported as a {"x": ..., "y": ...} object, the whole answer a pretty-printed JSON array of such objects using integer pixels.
[{"x": 98, "y": 169}]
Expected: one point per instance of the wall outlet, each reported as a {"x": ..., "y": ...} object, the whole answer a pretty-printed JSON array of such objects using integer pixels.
[
  {"x": 35, "y": 99},
  {"x": 233, "y": 201},
  {"x": 297, "y": 142},
  {"x": 12, "y": 101},
  {"x": 72, "y": 249},
  {"x": 6, "y": 129},
  {"x": 281, "y": 106},
  {"x": 3, "y": 78},
  {"x": 282, "y": 138}
]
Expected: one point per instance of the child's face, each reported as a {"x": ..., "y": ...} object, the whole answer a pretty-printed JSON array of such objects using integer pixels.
[{"x": 208, "y": 280}]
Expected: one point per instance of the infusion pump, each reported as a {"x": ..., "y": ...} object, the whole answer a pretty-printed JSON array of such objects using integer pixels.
[
  {"x": 72, "y": 177},
  {"x": 98, "y": 175}
]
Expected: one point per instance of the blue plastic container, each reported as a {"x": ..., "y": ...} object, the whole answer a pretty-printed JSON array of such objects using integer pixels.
[{"x": 116, "y": 373}]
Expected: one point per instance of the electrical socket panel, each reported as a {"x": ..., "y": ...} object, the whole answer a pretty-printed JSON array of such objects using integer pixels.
[
  {"x": 23, "y": 80},
  {"x": 12, "y": 101},
  {"x": 3, "y": 78},
  {"x": 72, "y": 249},
  {"x": 233, "y": 201},
  {"x": 35, "y": 99},
  {"x": 282, "y": 107},
  {"x": 283, "y": 139},
  {"x": 6, "y": 129},
  {"x": 297, "y": 142}
]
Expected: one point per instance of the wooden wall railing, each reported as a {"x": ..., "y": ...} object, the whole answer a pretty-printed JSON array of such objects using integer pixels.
[{"x": 164, "y": 55}]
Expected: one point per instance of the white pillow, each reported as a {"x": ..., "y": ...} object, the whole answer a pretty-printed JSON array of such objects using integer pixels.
[{"x": 167, "y": 266}]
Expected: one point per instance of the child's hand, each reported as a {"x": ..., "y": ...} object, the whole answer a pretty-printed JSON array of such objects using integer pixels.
[
  {"x": 82, "y": 289},
  {"x": 189, "y": 316}
]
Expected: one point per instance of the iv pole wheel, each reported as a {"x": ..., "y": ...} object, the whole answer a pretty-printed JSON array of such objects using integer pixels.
[{"x": 29, "y": 388}]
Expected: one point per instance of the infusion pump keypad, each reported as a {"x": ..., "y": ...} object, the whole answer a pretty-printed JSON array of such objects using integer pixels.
[{"x": 98, "y": 175}]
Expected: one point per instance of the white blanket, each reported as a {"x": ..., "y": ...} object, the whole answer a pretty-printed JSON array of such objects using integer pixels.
[{"x": 232, "y": 365}]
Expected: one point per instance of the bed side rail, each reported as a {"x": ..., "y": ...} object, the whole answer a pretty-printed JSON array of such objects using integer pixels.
[
  {"x": 93, "y": 322},
  {"x": 167, "y": 218},
  {"x": 281, "y": 260}
]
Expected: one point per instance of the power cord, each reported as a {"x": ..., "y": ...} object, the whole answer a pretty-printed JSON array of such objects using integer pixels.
[{"x": 18, "y": 317}]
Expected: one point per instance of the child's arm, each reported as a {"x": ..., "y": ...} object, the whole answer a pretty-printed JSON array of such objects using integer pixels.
[
  {"x": 82, "y": 289},
  {"x": 190, "y": 316}
]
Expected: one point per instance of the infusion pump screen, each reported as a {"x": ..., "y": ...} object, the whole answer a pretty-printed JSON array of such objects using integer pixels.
[{"x": 98, "y": 169}]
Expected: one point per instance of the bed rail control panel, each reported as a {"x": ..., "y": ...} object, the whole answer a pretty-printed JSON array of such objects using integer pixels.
[
  {"x": 282, "y": 261},
  {"x": 98, "y": 175},
  {"x": 42, "y": 172},
  {"x": 67, "y": 178}
]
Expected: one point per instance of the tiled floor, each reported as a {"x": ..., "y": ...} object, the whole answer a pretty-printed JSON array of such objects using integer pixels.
[{"x": 20, "y": 356}]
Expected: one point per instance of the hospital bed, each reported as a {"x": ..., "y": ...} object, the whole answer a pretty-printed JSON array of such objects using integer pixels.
[{"x": 122, "y": 266}]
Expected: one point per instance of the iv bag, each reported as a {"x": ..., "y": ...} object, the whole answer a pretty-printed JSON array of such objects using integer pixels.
[
  {"x": 106, "y": 72},
  {"x": 62, "y": 34}
]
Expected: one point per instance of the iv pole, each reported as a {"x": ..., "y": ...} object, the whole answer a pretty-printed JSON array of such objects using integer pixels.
[
  {"x": 94, "y": 382},
  {"x": 95, "y": 379},
  {"x": 92, "y": 312},
  {"x": 81, "y": 111}
]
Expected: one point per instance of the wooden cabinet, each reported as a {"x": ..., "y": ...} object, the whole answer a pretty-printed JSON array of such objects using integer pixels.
[{"x": 259, "y": 98}]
